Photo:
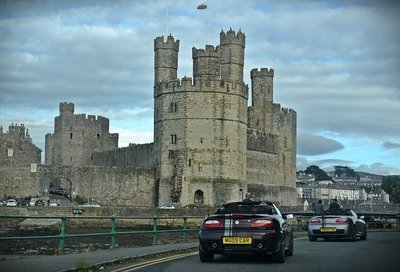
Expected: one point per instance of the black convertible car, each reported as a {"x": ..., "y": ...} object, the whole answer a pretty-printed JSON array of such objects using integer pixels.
[{"x": 257, "y": 227}]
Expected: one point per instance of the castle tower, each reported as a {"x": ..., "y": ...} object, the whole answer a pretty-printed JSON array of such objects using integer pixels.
[
  {"x": 165, "y": 59},
  {"x": 232, "y": 55},
  {"x": 200, "y": 129},
  {"x": 76, "y": 137},
  {"x": 206, "y": 63},
  {"x": 66, "y": 108},
  {"x": 262, "y": 99}
]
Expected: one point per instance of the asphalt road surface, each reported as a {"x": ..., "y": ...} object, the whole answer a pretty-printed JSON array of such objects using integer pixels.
[{"x": 379, "y": 253}]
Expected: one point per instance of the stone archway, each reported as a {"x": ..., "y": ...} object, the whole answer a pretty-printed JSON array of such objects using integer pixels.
[{"x": 199, "y": 197}]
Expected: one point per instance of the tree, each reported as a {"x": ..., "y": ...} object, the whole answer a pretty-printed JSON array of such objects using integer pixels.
[
  {"x": 391, "y": 185},
  {"x": 345, "y": 171},
  {"x": 318, "y": 173}
]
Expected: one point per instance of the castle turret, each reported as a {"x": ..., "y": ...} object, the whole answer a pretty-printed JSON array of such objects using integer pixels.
[
  {"x": 259, "y": 116},
  {"x": 165, "y": 59},
  {"x": 66, "y": 108},
  {"x": 206, "y": 63},
  {"x": 262, "y": 86},
  {"x": 232, "y": 55}
]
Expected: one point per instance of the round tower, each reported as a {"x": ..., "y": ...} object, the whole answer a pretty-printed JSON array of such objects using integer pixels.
[
  {"x": 206, "y": 63},
  {"x": 165, "y": 59},
  {"x": 232, "y": 55}
]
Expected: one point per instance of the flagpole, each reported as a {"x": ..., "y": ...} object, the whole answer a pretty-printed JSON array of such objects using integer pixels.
[
  {"x": 201, "y": 7},
  {"x": 208, "y": 25},
  {"x": 167, "y": 16}
]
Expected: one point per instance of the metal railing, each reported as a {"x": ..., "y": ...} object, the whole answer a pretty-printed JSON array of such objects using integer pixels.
[
  {"x": 301, "y": 225},
  {"x": 113, "y": 233}
]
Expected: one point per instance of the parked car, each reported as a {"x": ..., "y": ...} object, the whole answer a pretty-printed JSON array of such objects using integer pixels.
[
  {"x": 32, "y": 202},
  {"x": 54, "y": 203},
  {"x": 39, "y": 202},
  {"x": 167, "y": 207},
  {"x": 59, "y": 191},
  {"x": 24, "y": 202},
  {"x": 345, "y": 223},
  {"x": 11, "y": 203},
  {"x": 256, "y": 227}
]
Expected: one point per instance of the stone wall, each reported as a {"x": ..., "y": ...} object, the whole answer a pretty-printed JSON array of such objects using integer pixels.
[
  {"x": 138, "y": 155},
  {"x": 115, "y": 186}
]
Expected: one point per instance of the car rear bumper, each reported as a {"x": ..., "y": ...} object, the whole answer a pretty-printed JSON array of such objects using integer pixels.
[{"x": 260, "y": 244}]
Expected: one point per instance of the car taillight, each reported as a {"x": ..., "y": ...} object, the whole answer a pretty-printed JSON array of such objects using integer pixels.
[
  {"x": 213, "y": 223},
  {"x": 314, "y": 221},
  {"x": 342, "y": 220},
  {"x": 262, "y": 223}
]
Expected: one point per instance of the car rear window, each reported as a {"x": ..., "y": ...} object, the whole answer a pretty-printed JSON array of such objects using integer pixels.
[{"x": 259, "y": 208}]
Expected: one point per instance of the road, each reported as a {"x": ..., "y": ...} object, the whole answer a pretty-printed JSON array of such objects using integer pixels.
[{"x": 380, "y": 252}]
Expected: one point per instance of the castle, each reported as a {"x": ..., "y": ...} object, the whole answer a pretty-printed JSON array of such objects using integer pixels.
[{"x": 209, "y": 146}]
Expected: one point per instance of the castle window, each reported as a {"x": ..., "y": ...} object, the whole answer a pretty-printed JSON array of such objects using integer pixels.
[
  {"x": 70, "y": 135},
  {"x": 170, "y": 154},
  {"x": 173, "y": 107},
  {"x": 173, "y": 139},
  {"x": 201, "y": 140},
  {"x": 258, "y": 122},
  {"x": 98, "y": 136},
  {"x": 10, "y": 152},
  {"x": 190, "y": 162}
]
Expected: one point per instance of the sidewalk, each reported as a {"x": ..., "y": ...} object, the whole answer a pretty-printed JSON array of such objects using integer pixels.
[{"x": 70, "y": 262}]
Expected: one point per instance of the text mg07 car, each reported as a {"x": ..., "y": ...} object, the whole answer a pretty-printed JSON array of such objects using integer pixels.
[
  {"x": 256, "y": 227},
  {"x": 341, "y": 224}
]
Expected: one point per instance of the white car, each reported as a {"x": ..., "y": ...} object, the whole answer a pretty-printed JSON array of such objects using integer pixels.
[
  {"x": 54, "y": 203},
  {"x": 167, "y": 207},
  {"x": 11, "y": 203},
  {"x": 33, "y": 201}
]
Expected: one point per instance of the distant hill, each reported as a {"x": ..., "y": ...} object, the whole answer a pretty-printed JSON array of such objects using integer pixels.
[
  {"x": 340, "y": 171},
  {"x": 365, "y": 174}
]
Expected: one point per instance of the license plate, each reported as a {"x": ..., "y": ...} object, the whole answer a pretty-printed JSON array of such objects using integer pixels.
[
  {"x": 327, "y": 229},
  {"x": 236, "y": 240}
]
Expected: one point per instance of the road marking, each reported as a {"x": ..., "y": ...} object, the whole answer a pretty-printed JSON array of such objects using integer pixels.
[{"x": 153, "y": 262}]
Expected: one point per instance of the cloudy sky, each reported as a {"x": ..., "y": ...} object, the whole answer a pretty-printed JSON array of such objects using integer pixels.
[{"x": 336, "y": 63}]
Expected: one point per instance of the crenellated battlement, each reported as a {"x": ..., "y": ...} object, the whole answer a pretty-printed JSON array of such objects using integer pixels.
[
  {"x": 170, "y": 43},
  {"x": 209, "y": 51},
  {"x": 66, "y": 108},
  {"x": 263, "y": 72},
  {"x": 231, "y": 37},
  {"x": 187, "y": 84}
]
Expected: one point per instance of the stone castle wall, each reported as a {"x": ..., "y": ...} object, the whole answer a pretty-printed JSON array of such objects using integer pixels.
[
  {"x": 115, "y": 186},
  {"x": 138, "y": 155}
]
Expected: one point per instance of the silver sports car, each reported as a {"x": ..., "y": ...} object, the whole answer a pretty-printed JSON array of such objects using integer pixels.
[{"x": 342, "y": 224}]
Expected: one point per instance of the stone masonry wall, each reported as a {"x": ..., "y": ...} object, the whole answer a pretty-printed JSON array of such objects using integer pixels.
[
  {"x": 115, "y": 186},
  {"x": 138, "y": 155}
]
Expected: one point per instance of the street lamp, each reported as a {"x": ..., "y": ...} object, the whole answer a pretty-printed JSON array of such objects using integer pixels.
[{"x": 70, "y": 188}]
